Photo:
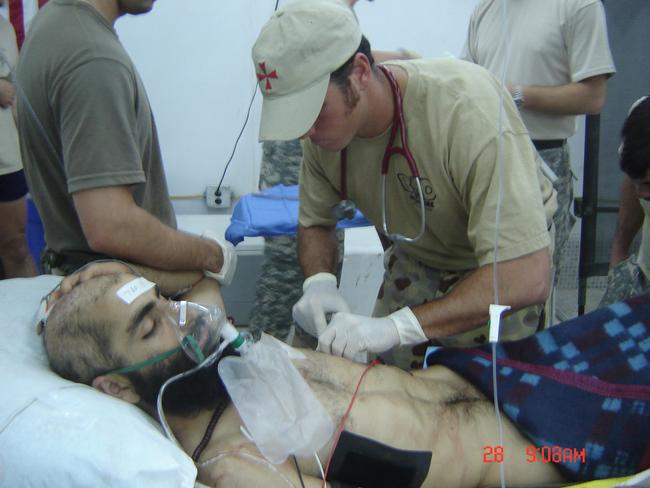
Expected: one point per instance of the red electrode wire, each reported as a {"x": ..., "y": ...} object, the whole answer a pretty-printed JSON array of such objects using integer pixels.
[{"x": 344, "y": 418}]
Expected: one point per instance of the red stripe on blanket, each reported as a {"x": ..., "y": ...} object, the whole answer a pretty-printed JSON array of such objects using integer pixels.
[{"x": 586, "y": 383}]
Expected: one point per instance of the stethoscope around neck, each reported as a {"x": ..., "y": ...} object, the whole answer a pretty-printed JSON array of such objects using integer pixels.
[{"x": 346, "y": 208}]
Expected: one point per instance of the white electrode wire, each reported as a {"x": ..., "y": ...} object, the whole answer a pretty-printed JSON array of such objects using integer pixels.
[
  {"x": 495, "y": 278},
  {"x": 320, "y": 466}
]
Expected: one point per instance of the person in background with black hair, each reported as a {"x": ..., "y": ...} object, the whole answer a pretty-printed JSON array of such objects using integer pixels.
[{"x": 629, "y": 273}]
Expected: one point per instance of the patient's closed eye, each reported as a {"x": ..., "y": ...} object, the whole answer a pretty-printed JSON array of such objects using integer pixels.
[{"x": 149, "y": 328}]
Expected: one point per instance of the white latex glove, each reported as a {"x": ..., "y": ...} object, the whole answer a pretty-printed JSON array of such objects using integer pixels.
[
  {"x": 349, "y": 334},
  {"x": 320, "y": 295},
  {"x": 224, "y": 277}
]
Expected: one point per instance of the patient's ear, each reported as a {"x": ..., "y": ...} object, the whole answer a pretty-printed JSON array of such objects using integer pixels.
[{"x": 117, "y": 386}]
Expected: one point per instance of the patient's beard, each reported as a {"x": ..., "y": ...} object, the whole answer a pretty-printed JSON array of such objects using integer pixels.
[{"x": 198, "y": 391}]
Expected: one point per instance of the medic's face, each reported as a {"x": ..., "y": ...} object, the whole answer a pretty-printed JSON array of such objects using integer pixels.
[
  {"x": 337, "y": 123},
  {"x": 642, "y": 185}
]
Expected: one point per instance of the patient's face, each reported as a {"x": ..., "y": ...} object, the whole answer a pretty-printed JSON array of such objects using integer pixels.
[{"x": 140, "y": 332}]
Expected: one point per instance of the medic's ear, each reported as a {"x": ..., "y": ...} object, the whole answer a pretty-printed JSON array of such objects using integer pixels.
[{"x": 117, "y": 386}]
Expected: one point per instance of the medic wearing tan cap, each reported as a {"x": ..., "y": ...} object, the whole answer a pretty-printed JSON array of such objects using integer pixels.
[{"x": 319, "y": 81}]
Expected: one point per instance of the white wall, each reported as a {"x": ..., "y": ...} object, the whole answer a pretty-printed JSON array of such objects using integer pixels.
[{"x": 194, "y": 58}]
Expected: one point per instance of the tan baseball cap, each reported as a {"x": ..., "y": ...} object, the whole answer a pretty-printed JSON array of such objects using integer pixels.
[{"x": 297, "y": 49}]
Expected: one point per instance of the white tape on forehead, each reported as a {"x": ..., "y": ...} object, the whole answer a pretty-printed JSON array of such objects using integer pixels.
[{"x": 133, "y": 289}]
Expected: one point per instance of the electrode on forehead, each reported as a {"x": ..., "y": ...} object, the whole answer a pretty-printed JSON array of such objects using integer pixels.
[{"x": 133, "y": 289}]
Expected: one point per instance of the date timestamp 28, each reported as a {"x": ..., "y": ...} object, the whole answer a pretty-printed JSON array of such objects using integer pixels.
[{"x": 536, "y": 454}]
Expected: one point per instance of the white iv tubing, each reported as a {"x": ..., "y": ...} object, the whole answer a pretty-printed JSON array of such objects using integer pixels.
[{"x": 495, "y": 279}]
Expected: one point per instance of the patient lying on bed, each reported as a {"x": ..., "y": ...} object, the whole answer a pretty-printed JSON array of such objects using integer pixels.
[{"x": 424, "y": 428}]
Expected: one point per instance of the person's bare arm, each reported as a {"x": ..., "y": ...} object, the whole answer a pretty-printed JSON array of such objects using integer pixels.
[
  {"x": 630, "y": 219},
  {"x": 7, "y": 93},
  {"x": 193, "y": 285},
  {"x": 381, "y": 56},
  {"x": 523, "y": 281},
  {"x": 583, "y": 97},
  {"x": 243, "y": 468},
  {"x": 114, "y": 225},
  {"x": 317, "y": 249}
]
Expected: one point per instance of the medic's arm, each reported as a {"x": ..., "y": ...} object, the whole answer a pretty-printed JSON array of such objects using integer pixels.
[
  {"x": 523, "y": 281},
  {"x": 193, "y": 284},
  {"x": 115, "y": 225},
  {"x": 317, "y": 249}
]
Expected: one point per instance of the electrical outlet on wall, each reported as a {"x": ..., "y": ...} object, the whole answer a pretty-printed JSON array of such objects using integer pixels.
[{"x": 218, "y": 198}]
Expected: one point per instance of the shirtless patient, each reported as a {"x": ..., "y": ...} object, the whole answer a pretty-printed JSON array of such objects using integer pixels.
[{"x": 90, "y": 331}]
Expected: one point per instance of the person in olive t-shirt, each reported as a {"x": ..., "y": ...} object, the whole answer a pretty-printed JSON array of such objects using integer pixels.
[{"x": 90, "y": 147}]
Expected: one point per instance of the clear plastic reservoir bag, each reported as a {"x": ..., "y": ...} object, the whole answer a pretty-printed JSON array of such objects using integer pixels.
[{"x": 279, "y": 410}]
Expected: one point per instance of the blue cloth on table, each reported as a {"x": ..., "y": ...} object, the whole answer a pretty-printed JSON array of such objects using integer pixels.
[
  {"x": 273, "y": 212},
  {"x": 583, "y": 383}
]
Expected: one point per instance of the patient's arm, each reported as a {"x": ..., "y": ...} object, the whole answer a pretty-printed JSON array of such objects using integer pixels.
[
  {"x": 243, "y": 469},
  {"x": 194, "y": 285}
]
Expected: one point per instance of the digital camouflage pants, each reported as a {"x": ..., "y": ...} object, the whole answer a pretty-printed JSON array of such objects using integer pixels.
[
  {"x": 625, "y": 280},
  {"x": 280, "y": 283},
  {"x": 559, "y": 161}
]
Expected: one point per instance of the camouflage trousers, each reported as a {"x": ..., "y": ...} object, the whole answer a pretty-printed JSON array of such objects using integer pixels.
[
  {"x": 409, "y": 282},
  {"x": 279, "y": 285},
  {"x": 625, "y": 280},
  {"x": 559, "y": 161}
]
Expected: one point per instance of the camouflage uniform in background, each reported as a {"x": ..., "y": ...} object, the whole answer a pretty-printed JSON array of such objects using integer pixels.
[
  {"x": 558, "y": 160},
  {"x": 625, "y": 280},
  {"x": 280, "y": 283}
]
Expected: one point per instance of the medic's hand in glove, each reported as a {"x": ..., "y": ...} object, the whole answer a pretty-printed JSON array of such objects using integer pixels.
[
  {"x": 349, "y": 334},
  {"x": 320, "y": 296},
  {"x": 225, "y": 275}
]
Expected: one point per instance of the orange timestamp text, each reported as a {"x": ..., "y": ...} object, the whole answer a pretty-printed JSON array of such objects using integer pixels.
[{"x": 537, "y": 454}]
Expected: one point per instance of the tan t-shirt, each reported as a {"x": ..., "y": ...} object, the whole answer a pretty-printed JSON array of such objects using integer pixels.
[
  {"x": 451, "y": 110},
  {"x": 10, "y": 161},
  {"x": 552, "y": 42}
]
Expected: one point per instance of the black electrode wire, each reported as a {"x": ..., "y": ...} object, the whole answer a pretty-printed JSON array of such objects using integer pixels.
[
  {"x": 248, "y": 112},
  {"x": 234, "y": 149},
  {"x": 295, "y": 461}
]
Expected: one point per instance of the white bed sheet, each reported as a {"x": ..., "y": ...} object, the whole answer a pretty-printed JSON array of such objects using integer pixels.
[{"x": 57, "y": 433}]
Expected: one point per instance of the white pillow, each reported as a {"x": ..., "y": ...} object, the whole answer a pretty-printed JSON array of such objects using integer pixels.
[{"x": 57, "y": 433}]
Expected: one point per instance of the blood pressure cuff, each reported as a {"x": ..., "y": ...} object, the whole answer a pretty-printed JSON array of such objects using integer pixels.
[
  {"x": 362, "y": 462},
  {"x": 585, "y": 382},
  {"x": 273, "y": 212}
]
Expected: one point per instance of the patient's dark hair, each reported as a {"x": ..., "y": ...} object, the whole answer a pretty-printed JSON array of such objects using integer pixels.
[
  {"x": 635, "y": 157},
  {"x": 78, "y": 346}
]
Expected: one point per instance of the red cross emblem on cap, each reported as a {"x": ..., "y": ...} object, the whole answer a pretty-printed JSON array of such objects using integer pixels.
[{"x": 266, "y": 76}]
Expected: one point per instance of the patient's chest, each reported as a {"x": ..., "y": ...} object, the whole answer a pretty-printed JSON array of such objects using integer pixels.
[{"x": 391, "y": 407}]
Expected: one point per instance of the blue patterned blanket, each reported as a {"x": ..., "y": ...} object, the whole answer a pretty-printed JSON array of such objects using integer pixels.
[{"x": 582, "y": 384}]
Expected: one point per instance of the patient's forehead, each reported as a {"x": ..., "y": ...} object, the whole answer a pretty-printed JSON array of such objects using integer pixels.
[{"x": 118, "y": 303}]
